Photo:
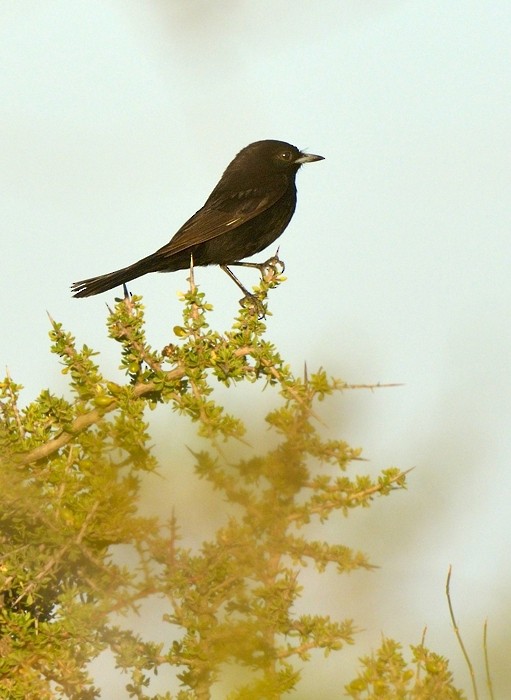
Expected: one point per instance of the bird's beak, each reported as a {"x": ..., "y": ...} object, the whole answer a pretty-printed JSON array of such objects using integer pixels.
[{"x": 308, "y": 158}]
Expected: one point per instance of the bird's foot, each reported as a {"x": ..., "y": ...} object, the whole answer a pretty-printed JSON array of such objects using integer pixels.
[
  {"x": 254, "y": 305},
  {"x": 272, "y": 267}
]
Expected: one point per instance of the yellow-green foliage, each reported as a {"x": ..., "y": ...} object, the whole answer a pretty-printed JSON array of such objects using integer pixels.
[{"x": 70, "y": 478}]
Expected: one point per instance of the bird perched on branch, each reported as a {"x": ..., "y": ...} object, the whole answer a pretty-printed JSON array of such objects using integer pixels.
[{"x": 246, "y": 212}]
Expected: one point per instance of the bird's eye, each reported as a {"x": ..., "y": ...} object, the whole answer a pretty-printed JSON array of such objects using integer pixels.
[{"x": 285, "y": 155}]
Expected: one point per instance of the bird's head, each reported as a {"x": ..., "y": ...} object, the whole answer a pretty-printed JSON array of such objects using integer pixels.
[
  {"x": 276, "y": 155},
  {"x": 263, "y": 159}
]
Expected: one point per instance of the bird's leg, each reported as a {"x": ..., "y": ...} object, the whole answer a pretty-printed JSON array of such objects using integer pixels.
[
  {"x": 274, "y": 264},
  {"x": 249, "y": 299},
  {"x": 236, "y": 280}
]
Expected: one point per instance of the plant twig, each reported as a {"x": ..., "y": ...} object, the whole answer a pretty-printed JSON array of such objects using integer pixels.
[
  {"x": 458, "y": 635},
  {"x": 419, "y": 668},
  {"x": 85, "y": 420},
  {"x": 487, "y": 661}
]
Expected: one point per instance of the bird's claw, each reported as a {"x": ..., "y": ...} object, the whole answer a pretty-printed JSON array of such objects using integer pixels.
[
  {"x": 254, "y": 305},
  {"x": 272, "y": 267}
]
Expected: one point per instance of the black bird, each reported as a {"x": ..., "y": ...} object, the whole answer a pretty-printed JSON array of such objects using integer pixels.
[{"x": 248, "y": 209}]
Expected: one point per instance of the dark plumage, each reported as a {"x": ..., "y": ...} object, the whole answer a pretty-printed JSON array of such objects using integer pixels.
[{"x": 248, "y": 209}]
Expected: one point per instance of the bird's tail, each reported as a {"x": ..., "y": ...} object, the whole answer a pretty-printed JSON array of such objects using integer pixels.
[{"x": 96, "y": 285}]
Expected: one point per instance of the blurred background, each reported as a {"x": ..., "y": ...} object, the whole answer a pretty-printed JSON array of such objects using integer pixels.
[{"x": 118, "y": 118}]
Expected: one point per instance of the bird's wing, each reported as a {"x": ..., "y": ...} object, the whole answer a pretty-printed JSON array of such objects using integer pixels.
[{"x": 222, "y": 214}]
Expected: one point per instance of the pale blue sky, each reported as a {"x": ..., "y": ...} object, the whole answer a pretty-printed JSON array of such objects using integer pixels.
[{"x": 118, "y": 119}]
